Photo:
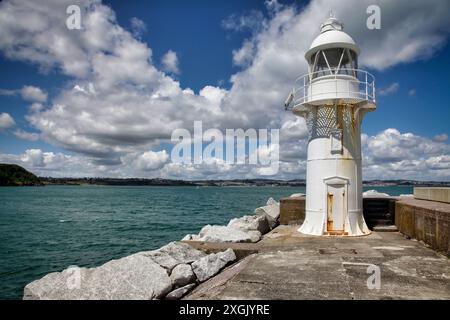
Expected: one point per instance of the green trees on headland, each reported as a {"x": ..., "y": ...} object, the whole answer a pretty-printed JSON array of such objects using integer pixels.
[{"x": 14, "y": 175}]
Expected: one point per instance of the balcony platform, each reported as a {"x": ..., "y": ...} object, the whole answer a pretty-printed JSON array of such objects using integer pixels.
[{"x": 330, "y": 89}]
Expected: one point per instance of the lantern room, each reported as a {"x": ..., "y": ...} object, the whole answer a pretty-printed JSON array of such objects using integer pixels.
[{"x": 333, "y": 71}]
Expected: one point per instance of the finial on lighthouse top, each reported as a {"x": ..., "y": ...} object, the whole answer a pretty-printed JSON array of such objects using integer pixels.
[
  {"x": 331, "y": 35},
  {"x": 331, "y": 24}
]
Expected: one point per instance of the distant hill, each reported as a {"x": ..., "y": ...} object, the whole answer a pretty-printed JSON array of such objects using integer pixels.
[
  {"x": 14, "y": 175},
  {"x": 114, "y": 181},
  {"x": 221, "y": 183}
]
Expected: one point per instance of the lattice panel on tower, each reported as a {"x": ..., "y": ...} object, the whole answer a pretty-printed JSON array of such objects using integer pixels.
[{"x": 321, "y": 121}]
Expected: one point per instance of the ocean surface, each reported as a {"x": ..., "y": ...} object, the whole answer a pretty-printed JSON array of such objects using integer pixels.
[{"x": 46, "y": 229}]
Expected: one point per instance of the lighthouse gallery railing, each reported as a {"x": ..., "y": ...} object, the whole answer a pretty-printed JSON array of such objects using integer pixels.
[{"x": 355, "y": 78}]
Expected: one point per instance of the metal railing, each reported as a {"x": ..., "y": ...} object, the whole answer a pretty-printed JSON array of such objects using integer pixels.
[{"x": 359, "y": 84}]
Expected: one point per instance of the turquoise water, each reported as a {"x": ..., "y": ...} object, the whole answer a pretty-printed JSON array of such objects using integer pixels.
[{"x": 46, "y": 229}]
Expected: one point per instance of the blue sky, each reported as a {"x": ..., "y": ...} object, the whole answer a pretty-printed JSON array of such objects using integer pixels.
[
  {"x": 194, "y": 30},
  {"x": 231, "y": 65}
]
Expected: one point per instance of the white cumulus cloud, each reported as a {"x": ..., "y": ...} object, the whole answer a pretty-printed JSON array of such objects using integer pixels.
[
  {"x": 6, "y": 121},
  {"x": 33, "y": 94},
  {"x": 24, "y": 135},
  {"x": 170, "y": 62},
  {"x": 391, "y": 89},
  {"x": 138, "y": 27},
  {"x": 395, "y": 155},
  {"x": 440, "y": 137},
  {"x": 118, "y": 105},
  {"x": 151, "y": 160}
]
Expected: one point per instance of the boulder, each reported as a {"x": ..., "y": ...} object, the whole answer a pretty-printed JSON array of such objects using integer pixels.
[
  {"x": 135, "y": 277},
  {"x": 190, "y": 237},
  {"x": 180, "y": 292},
  {"x": 255, "y": 235},
  {"x": 173, "y": 254},
  {"x": 182, "y": 275},
  {"x": 59, "y": 285},
  {"x": 375, "y": 193},
  {"x": 249, "y": 223},
  {"x": 210, "y": 265},
  {"x": 271, "y": 211},
  {"x": 297, "y": 195},
  {"x": 223, "y": 234},
  {"x": 271, "y": 201}
]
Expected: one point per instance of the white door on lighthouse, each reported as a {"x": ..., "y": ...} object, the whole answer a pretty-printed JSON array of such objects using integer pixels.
[{"x": 335, "y": 207}]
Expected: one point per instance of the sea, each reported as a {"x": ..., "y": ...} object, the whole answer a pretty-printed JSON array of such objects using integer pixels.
[{"x": 47, "y": 229}]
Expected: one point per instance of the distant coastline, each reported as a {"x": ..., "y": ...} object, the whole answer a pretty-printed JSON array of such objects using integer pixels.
[
  {"x": 14, "y": 175},
  {"x": 222, "y": 183}
]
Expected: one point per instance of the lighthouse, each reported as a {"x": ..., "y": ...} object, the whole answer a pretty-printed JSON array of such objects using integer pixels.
[{"x": 333, "y": 98}]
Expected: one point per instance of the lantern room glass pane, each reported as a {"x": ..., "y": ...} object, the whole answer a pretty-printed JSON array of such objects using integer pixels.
[
  {"x": 333, "y": 56},
  {"x": 344, "y": 59},
  {"x": 349, "y": 63},
  {"x": 354, "y": 59},
  {"x": 321, "y": 67}
]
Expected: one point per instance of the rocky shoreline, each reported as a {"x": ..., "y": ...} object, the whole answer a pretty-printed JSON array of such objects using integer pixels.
[{"x": 169, "y": 272}]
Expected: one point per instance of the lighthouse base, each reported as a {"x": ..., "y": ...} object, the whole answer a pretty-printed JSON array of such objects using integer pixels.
[{"x": 317, "y": 224}]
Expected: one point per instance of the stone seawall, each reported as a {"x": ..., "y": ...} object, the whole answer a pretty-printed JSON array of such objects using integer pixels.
[
  {"x": 433, "y": 194},
  {"x": 427, "y": 221}
]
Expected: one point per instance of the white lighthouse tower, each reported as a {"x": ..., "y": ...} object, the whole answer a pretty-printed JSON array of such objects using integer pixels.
[{"x": 333, "y": 98}]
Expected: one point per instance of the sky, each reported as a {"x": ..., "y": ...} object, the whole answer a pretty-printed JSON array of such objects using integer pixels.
[{"x": 104, "y": 100}]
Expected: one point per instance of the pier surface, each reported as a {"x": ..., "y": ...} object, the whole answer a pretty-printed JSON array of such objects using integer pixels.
[{"x": 289, "y": 265}]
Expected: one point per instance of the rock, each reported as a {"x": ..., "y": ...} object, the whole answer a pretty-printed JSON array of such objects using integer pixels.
[
  {"x": 182, "y": 275},
  {"x": 297, "y": 195},
  {"x": 190, "y": 237},
  {"x": 248, "y": 223},
  {"x": 223, "y": 234},
  {"x": 210, "y": 265},
  {"x": 59, "y": 285},
  {"x": 173, "y": 254},
  {"x": 271, "y": 201},
  {"x": 180, "y": 292},
  {"x": 255, "y": 235},
  {"x": 271, "y": 211},
  {"x": 133, "y": 277},
  {"x": 374, "y": 193}
]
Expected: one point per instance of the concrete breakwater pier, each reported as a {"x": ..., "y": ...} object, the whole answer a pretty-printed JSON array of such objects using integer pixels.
[
  {"x": 263, "y": 256},
  {"x": 288, "y": 265}
]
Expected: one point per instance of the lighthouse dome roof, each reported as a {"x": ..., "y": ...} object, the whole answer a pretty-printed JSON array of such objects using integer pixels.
[{"x": 331, "y": 36}]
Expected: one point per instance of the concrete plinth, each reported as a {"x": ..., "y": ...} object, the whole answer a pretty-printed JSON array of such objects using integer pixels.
[
  {"x": 292, "y": 210},
  {"x": 378, "y": 211},
  {"x": 433, "y": 194}
]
